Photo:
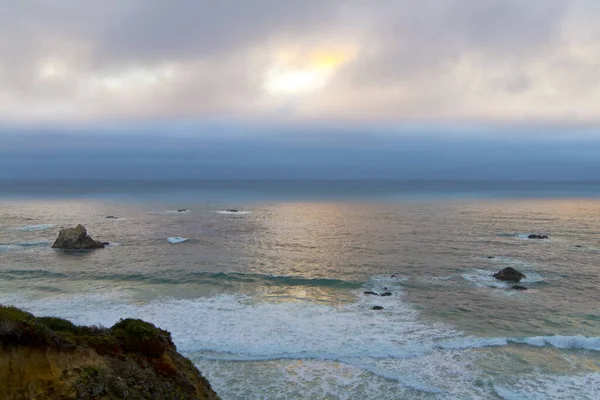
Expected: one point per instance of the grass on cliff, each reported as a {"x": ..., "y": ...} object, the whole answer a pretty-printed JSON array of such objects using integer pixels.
[
  {"x": 126, "y": 336},
  {"x": 138, "y": 360}
]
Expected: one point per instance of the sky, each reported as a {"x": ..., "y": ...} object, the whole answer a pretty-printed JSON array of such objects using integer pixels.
[{"x": 498, "y": 89}]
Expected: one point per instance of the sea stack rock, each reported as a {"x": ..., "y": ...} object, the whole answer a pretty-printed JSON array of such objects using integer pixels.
[
  {"x": 76, "y": 239},
  {"x": 509, "y": 274}
]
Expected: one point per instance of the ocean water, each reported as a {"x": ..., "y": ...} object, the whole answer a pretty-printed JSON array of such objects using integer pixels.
[{"x": 269, "y": 301}]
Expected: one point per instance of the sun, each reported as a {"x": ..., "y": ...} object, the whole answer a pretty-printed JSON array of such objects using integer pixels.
[
  {"x": 295, "y": 73},
  {"x": 282, "y": 81}
]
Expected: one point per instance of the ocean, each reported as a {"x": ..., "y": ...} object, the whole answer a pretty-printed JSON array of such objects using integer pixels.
[{"x": 269, "y": 301}]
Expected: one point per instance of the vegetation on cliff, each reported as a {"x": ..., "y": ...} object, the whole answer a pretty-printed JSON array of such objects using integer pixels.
[{"x": 51, "y": 358}]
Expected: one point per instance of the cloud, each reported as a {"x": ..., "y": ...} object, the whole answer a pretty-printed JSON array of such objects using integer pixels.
[{"x": 509, "y": 61}]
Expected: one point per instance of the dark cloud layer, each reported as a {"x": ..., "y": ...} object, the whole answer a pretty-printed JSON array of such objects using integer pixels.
[{"x": 344, "y": 154}]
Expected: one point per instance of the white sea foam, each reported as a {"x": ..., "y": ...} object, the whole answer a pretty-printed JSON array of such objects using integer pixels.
[
  {"x": 38, "y": 227},
  {"x": 550, "y": 387},
  {"x": 472, "y": 343},
  {"x": 177, "y": 239},
  {"x": 230, "y": 212},
  {"x": 258, "y": 331},
  {"x": 485, "y": 278},
  {"x": 307, "y": 380},
  {"x": 526, "y": 267},
  {"x": 399, "y": 352},
  {"x": 382, "y": 344},
  {"x": 561, "y": 342}
]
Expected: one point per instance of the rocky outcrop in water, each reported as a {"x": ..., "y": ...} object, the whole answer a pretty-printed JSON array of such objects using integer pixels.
[
  {"x": 76, "y": 239},
  {"x": 50, "y": 358},
  {"x": 536, "y": 236},
  {"x": 384, "y": 294},
  {"x": 509, "y": 274}
]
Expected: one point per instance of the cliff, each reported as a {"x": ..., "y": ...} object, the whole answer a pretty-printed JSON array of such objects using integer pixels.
[{"x": 51, "y": 358}]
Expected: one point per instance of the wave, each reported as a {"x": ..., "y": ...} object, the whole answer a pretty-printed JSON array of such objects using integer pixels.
[
  {"x": 274, "y": 280},
  {"x": 38, "y": 227},
  {"x": 560, "y": 342},
  {"x": 184, "y": 277},
  {"x": 12, "y": 274},
  {"x": 23, "y": 245},
  {"x": 177, "y": 239},
  {"x": 231, "y": 212}
]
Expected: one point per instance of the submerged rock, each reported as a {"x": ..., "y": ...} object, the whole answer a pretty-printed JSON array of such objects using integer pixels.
[
  {"x": 536, "y": 236},
  {"x": 377, "y": 308},
  {"x": 509, "y": 274},
  {"x": 51, "y": 358},
  {"x": 519, "y": 287},
  {"x": 76, "y": 239}
]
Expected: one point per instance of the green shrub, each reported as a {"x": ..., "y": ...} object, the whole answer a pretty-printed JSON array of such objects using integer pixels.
[
  {"x": 17, "y": 326},
  {"x": 58, "y": 324},
  {"x": 141, "y": 337}
]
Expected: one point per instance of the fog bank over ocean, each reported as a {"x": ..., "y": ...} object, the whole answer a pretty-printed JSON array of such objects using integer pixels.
[{"x": 304, "y": 152}]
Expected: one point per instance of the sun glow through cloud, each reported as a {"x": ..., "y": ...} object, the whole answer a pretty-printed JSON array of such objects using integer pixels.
[
  {"x": 296, "y": 73},
  {"x": 480, "y": 61}
]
